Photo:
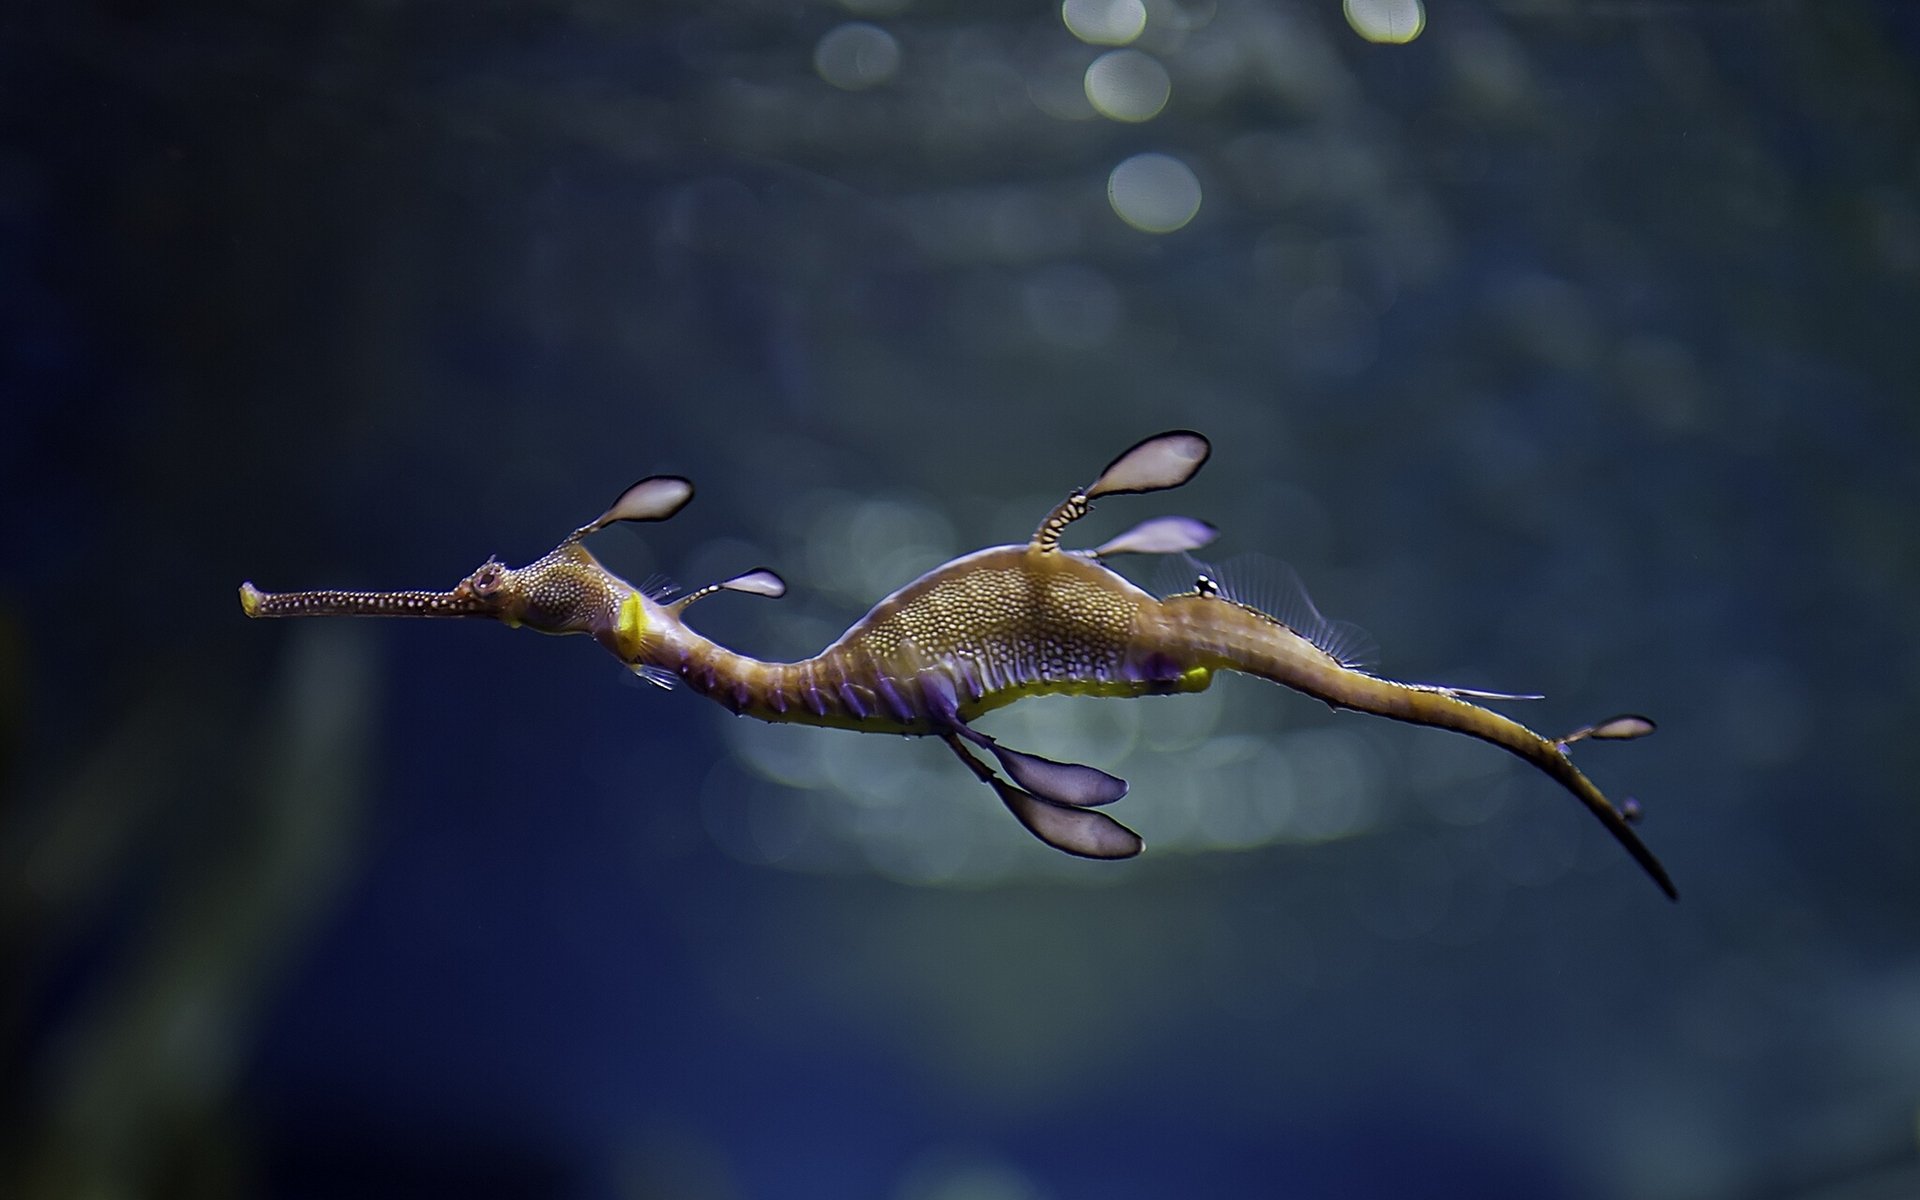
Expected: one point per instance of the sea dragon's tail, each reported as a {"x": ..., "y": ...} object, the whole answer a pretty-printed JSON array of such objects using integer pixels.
[{"x": 1231, "y": 636}]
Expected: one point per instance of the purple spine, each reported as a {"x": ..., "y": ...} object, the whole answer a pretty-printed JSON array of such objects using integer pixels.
[
  {"x": 969, "y": 676},
  {"x": 856, "y": 704},
  {"x": 896, "y": 704}
]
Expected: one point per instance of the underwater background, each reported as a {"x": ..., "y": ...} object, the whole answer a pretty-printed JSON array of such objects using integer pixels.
[{"x": 1567, "y": 345}]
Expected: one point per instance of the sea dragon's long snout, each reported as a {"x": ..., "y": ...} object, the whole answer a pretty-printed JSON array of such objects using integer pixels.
[{"x": 460, "y": 602}]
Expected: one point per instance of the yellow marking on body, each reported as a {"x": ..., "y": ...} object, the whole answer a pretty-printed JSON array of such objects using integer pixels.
[
  {"x": 1194, "y": 679},
  {"x": 630, "y": 627},
  {"x": 250, "y": 599}
]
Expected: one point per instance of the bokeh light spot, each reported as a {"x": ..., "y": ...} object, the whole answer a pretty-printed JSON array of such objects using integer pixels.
[
  {"x": 1394, "y": 22},
  {"x": 856, "y": 56},
  {"x": 1127, "y": 85},
  {"x": 1104, "y": 22},
  {"x": 1154, "y": 193}
]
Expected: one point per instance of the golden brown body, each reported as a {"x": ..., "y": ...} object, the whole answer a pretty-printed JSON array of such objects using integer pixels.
[
  {"x": 976, "y": 633},
  {"x": 998, "y": 625}
]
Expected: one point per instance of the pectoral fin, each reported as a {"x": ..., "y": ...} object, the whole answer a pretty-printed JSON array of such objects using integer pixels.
[{"x": 659, "y": 677}]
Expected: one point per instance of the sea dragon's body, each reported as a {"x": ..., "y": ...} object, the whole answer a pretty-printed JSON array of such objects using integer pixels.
[{"x": 974, "y": 634}]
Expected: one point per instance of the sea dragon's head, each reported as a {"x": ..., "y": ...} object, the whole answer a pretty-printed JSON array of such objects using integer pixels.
[{"x": 566, "y": 591}]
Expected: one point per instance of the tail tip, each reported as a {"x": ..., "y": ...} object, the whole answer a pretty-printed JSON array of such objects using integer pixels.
[{"x": 250, "y": 599}]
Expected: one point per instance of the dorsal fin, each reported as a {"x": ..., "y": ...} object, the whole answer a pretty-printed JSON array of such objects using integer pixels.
[
  {"x": 654, "y": 498},
  {"x": 1161, "y": 535},
  {"x": 757, "y": 582},
  {"x": 1165, "y": 460},
  {"x": 1272, "y": 588}
]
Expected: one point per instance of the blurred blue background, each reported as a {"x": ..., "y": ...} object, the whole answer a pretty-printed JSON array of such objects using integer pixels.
[{"x": 1567, "y": 345}]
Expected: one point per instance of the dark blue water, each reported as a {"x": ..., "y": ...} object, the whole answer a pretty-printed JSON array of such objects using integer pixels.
[{"x": 1567, "y": 347}]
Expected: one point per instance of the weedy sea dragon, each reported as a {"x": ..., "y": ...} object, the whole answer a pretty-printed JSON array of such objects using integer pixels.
[{"x": 981, "y": 631}]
